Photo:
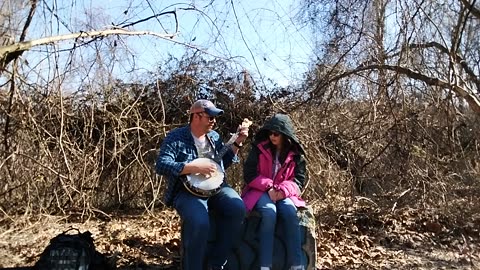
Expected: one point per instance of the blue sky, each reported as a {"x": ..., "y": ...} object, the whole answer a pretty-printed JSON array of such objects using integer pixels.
[{"x": 261, "y": 36}]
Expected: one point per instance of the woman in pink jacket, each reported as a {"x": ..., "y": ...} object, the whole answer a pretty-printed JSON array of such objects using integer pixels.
[{"x": 274, "y": 173}]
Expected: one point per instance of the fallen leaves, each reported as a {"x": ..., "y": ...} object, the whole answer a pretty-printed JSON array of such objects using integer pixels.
[
  {"x": 366, "y": 239},
  {"x": 360, "y": 238}
]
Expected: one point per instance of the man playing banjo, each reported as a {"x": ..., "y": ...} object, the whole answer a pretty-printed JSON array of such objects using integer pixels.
[{"x": 197, "y": 150}]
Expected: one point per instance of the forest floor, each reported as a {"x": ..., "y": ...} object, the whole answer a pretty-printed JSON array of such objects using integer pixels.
[{"x": 357, "y": 238}]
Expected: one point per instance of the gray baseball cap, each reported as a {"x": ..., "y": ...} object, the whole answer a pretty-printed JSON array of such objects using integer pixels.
[{"x": 203, "y": 105}]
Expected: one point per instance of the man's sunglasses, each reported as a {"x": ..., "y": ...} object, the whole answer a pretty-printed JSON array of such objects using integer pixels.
[
  {"x": 274, "y": 133},
  {"x": 210, "y": 118}
]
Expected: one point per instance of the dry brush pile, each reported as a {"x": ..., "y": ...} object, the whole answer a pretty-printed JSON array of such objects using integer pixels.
[
  {"x": 91, "y": 153},
  {"x": 88, "y": 152}
]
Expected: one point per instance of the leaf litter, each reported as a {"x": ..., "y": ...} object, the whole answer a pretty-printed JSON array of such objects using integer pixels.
[{"x": 357, "y": 238}]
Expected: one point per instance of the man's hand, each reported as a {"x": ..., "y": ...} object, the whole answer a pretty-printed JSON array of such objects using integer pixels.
[
  {"x": 242, "y": 134},
  {"x": 200, "y": 166},
  {"x": 242, "y": 130},
  {"x": 207, "y": 169}
]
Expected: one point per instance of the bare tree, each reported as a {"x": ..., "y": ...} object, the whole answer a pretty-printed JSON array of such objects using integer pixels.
[
  {"x": 432, "y": 42},
  {"x": 65, "y": 117}
]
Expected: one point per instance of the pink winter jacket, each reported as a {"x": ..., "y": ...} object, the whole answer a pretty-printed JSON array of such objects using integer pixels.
[{"x": 284, "y": 180}]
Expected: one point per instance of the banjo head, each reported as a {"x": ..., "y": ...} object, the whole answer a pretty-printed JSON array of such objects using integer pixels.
[{"x": 203, "y": 182}]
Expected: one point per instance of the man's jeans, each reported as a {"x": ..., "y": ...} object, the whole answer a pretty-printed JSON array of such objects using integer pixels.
[
  {"x": 229, "y": 215},
  {"x": 285, "y": 210}
]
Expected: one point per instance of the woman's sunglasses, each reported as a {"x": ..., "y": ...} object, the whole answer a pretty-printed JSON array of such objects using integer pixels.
[{"x": 274, "y": 133}]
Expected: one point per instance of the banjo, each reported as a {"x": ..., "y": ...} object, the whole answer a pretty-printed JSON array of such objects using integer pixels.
[{"x": 209, "y": 185}]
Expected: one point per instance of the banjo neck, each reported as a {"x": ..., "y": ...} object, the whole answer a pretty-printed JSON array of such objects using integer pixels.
[{"x": 218, "y": 157}]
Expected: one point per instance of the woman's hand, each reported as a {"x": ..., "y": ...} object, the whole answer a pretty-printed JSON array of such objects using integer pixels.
[{"x": 275, "y": 195}]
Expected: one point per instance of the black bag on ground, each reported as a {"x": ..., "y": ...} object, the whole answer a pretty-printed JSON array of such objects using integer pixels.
[{"x": 71, "y": 251}]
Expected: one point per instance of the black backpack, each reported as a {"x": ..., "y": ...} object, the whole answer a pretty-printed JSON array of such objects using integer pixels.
[{"x": 71, "y": 251}]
